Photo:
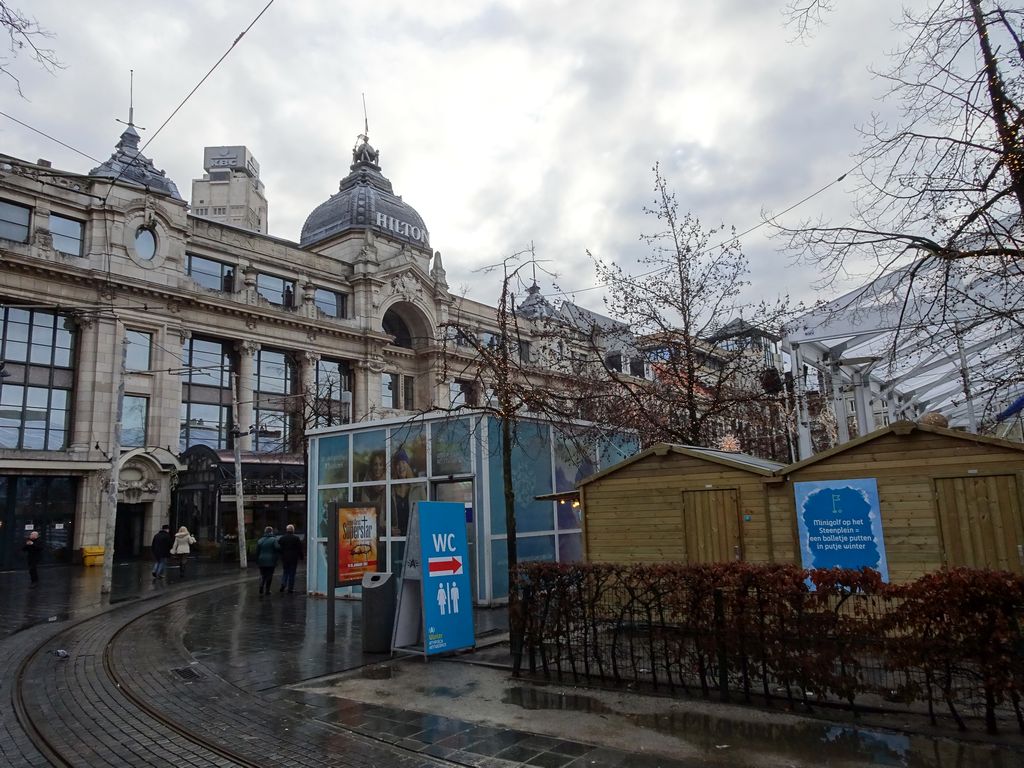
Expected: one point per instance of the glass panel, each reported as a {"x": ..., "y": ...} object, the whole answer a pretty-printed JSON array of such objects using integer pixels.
[
  {"x": 369, "y": 460},
  {"x": 528, "y": 550},
  {"x": 574, "y": 460},
  {"x": 133, "y": 422},
  {"x": 376, "y": 496},
  {"x": 145, "y": 243},
  {"x": 403, "y": 496},
  {"x": 570, "y": 547},
  {"x": 14, "y": 221},
  {"x": 67, "y": 235},
  {"x": 449, "y": 447},
  {"x": 325, "y": 499},
  {"x": 208, "y": 362},
  {"x": 333, "y": 453},
  {"x": 531, "y": 477},
  {"x": 137, "y": 355},
  {"x": 397, "y": 554},
  {"x": 327, "y": 302},
  {"x": 408, "y": 451},
  {"x": 617, "y": 447},
  {"x": 211, "y": 274},
  {"x": 273, "y": 372},
  {"x": 569, "y": 515},
  {"x": 12, "y": 394}
]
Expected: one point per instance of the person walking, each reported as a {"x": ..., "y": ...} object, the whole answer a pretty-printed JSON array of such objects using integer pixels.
[
  {"x": 161, "y": 548},
  {"x": 266, "y": 558},
  {"x": 292, "y": 550},
  {"x": 33, "y": 549},
  {"x": 182, "y": 547}
]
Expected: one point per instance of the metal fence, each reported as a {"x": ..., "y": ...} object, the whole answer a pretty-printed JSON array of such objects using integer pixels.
[{"x": 747, "y": 632}]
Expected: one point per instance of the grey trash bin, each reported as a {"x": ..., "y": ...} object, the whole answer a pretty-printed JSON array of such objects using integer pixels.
[{"x": 379, "y": 597}]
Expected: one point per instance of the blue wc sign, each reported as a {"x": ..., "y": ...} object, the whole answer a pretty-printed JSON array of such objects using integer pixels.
[{"x": 438, "y": 558}]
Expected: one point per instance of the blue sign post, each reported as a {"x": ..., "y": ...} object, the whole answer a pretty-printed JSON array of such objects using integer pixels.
[{"x": 437, "y": 557}]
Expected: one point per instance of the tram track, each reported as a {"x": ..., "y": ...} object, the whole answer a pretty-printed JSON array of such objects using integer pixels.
[{"x": 121, "y": 703}]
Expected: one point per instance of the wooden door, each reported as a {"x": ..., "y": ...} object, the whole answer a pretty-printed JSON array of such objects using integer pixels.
[
  {"x": 711, "y": 526},
  {"x": 980, "y": 522}
]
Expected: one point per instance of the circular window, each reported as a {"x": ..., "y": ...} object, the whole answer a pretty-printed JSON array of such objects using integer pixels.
[{"x": 145, "y": 243}]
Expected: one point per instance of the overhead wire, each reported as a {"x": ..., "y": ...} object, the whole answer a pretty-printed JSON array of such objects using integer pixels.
[{"x": 723, "y": 243}]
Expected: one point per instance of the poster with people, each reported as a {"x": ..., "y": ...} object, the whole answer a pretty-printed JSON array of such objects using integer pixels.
[
  {"x": 357, "y": 543},
  {"x": 840, "y": 524}
]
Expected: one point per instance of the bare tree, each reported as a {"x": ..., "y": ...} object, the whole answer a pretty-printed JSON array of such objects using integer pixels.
[
  {"x": 939, "y": 192},
  {"x": 947, "y": 180},
  {"x": 677, "y": 369},
  {"x": 25, "y": 34}
]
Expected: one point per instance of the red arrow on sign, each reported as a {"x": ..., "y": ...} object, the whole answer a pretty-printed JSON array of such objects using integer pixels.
[{"x": 444, "y": 566}]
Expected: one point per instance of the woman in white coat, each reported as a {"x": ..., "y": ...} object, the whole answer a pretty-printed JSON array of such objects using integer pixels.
[{"x": 183, "y": 541}]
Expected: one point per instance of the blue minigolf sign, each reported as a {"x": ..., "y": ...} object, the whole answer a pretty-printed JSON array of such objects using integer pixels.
[
  {"x": 840, "y": 524},
  {"x": 447, "y": 591}
]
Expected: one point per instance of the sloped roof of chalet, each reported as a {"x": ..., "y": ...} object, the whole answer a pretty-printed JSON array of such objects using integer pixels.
[
  {"x": 731, "y": 459},
  {"x": 901, "y": 428}
]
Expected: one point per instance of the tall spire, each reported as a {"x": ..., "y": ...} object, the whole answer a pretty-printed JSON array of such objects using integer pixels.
[{"x": 127, "y": 163}]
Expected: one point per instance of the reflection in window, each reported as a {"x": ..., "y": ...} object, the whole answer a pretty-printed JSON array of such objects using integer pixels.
[
  {"x": 330, "y": 406},
  {"x": 215, "y": 275},
  {"x": 138, "y": 351},
  {"x": 276, "y": 290},
  {"x": 331, "y": 303},
  {"x": 67, "y": 235},
  {"x": 275, "y": 375},
  {"x": 14, "y": 221},
  {"x": 205, "y": 394},
  {"x": 133, "y": 421},
  {"x": 204, "y": 424},
  {"x": 389, "y": 390},
  {"x": 145, "y": 243},
  {"x": 36, "y": 393},
  {"x": 461, "y": 393}
]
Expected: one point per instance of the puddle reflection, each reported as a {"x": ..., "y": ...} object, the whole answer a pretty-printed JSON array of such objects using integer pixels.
[{"x": 823, "y": 744}]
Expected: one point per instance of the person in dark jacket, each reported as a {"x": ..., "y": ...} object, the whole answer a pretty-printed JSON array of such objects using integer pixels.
[
  {"x": 292, "y": 550},
  {"x": 161, "y": 548},
  {"x": 33, "y": 549},
  {"x": 266, "y": 558}
]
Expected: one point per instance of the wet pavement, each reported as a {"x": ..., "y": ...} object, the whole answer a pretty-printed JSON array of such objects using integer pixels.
[{"x": 255, "y": 673}]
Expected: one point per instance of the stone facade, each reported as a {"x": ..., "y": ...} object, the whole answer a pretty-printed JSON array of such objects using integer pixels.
[{"x": 135, "y": 274}]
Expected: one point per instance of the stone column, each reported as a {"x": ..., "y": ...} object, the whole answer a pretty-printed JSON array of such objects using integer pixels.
[
  {"x": 85, "y": 380},
  {"x": 246, "y": 380},
  {"x": 307, "y": 386}
]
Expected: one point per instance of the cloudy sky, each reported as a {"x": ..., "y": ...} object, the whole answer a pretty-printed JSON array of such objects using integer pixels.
[{"x": 502, "y": 123}]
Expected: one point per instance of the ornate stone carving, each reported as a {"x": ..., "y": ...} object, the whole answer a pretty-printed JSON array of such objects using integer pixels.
[
  {"x": 248, "y": 348},
  {"x": 406, "y": 286}
]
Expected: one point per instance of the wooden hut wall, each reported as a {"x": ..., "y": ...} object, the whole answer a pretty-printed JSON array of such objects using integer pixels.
[
  {"x": 944, "y": 500},
  {"x": 635, "y": 514}
]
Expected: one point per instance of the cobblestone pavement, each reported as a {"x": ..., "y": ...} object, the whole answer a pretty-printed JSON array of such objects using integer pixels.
[
  {"x": 254, "y": 674},
  {"x": 216, "y": 658}
]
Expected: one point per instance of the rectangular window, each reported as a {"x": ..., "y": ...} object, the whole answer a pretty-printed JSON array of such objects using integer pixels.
[
  {"x": 138, "y": 355},
  {"x": 207, "y": 363},
  {"x": 636, "y": 367},
  {"x": 276, "y": 290},
  {"x": 524, "y": 352},
  {"x": 14, "y": 221},
  {"x": 220, "y": 210},
  {"x": 461, "y": 393},
  {"x": 389, "y": 390},
  {"x": 212, "y": 274},
  {"x": 275, "y": 373},
  {"x": 67, "y": 235},
  {"x": 135, "y": 416},
  {"x": 204, "y": 424},
  {"x": 332, "y": 402},
  {"x": 331, "y": 303},
  {"x": 35, "y": 394}
]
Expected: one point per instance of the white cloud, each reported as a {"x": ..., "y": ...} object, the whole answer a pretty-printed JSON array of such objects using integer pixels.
[{"x": 501, "y": 122}]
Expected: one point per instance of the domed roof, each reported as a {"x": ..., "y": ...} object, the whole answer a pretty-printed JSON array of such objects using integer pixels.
[{"x": 365, "y": 200}]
